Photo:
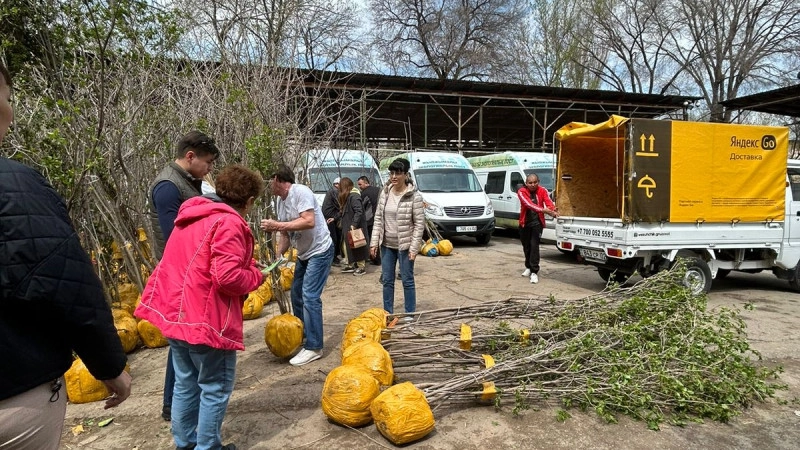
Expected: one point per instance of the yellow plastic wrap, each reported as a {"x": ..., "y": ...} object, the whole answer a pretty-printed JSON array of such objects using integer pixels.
[
  {"x": 347, "y": 395},
  {"x": 283, "y": 335},
  {"x": 379, "y": 315},
  {"x": 264, "y": 291},
  {"x": 465, "y": 343},
  {"x": 128, "y": 297},
  {"x": 82, "y": 387},
  {"x": 445, "y": 247},
  {"x": 151, "y": 336},
  {"x": 360, "y": 329},
  {"x": 126, "y": 329},
  {"x": 291, "y": 254},
  {"x": 253, "y": 306},
  {"x": 372, "y": 357},
  {"x": 287, "y": 276},
  {"x": 402, "y": 414},
  {"x": 426, "y": 250}
]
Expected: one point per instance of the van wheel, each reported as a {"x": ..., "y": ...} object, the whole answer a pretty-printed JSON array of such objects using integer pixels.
[
  {"x": 483, "y": 239},
  {"x": 613, "y": 275},
  {"x": 698, "y": 276},
  {"x": 794, "y": 280}
]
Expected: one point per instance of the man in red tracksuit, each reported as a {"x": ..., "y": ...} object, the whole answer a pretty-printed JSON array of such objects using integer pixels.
[{"x": 534, "y": 201}]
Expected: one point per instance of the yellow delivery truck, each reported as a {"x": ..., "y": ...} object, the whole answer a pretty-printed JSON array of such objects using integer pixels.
[{"x": 636, "y": 194}]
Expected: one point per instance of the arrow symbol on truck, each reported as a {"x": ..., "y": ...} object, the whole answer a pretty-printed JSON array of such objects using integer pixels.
[{"x": 643, "y": 142}]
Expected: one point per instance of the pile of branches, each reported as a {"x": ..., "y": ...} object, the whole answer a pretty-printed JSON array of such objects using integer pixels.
[{"x": 652, "y": 351}]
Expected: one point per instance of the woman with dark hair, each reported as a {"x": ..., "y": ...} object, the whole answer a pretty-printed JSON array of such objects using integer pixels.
[
  {"x": 399, "y": 224},
  {"x": 352, "y": 217},
  {"x": 194, "y": 296}
]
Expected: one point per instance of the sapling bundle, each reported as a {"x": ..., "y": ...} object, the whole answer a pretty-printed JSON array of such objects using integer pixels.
[{"x": 652, "y": 351}]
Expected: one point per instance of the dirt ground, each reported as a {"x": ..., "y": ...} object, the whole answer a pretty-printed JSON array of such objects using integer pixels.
[{"x": 277, "y": 406}]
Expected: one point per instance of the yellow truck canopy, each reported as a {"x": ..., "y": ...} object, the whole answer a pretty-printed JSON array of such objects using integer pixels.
[{"x": 672, "y": 171}]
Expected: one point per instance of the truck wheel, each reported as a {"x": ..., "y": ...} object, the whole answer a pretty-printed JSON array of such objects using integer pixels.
[
  {"x": 483, "y": 239},
  {"x": 697, "y": 277},
  {"x": 613, "y": 275}
]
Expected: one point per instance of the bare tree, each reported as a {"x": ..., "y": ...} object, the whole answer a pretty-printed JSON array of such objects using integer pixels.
[
  {"x": 312, "y": 34},
  {"x": 446, "y": 39},
  {"x": 626, "y": 49},
  {"x": 731, "y": 46},
  {"x": 549, "y": 48}
]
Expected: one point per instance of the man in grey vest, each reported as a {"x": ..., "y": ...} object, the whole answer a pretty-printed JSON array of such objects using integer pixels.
[{"x": 179, "y": 181}]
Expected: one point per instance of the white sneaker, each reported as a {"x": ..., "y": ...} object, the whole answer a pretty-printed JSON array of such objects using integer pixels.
[
  {"x": 526, "y": 273},
  {"x": 305, "y": 357},
  {"x": 534, "y": 278}
]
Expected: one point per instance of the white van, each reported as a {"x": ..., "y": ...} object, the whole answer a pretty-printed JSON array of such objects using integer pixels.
[
  {"x": 454, "y": 199},
  {"x": 318, "y": 168},
  {"x": 502, "y": 174}
]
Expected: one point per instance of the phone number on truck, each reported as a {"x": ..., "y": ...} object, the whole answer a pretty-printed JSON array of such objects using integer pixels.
[{"x": 595, "y": 233}]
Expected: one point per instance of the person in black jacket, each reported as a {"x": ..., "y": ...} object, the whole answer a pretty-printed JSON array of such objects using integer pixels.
[
  {"x": 370, "y": 195},
  {"x": 51, "y": 303},
  {"x": 333, "y": 216}
]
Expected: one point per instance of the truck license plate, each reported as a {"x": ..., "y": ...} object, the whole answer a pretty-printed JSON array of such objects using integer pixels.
[
  {"x": 593, "y": 255},
  {"x": 467, "y": 229}
]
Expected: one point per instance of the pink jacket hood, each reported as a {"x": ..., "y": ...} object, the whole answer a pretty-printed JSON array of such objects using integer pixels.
[{"x": 195, "y": 293}]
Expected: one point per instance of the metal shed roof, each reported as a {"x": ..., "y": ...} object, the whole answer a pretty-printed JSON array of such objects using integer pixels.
[
  {"x": 783, "y": 102},
  {"x": 453, "y": 114}
]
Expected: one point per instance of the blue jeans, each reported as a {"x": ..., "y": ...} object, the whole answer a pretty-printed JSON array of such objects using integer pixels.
[
  {"x": 204, "y": 378},
  {"x": 310, "y": 277},
  {"x": 169, "y": 381},
  {"x": 390, "y": 257}
]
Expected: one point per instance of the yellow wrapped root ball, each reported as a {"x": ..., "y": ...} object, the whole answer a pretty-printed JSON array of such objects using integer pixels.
[
  {"x": 253, "y": 306},
  {"x": 379, "y": 315},
  {"x": 372, "y": 357},
  {"x": 283, "y": 335},
  {"x": 360, "y": 329},
  {"x": 126, "y": 329},
  {"x": 445, "y": 247},
  {"x": 429, "y": 250},
  {"x": 264, "y": 291},
  {"x": 291, "y": 254},
  {"x": 347, "y": 395},
  {"x": 82, "y": 387},
  {"x": 402, "y": 414},
  {"x": 151, "y": 336},
  {"x": 128, "y": 296},
  {"x": 287, "y": 276}
]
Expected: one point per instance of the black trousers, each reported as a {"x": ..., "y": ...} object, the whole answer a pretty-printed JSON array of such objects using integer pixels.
[
  {"x": 530, "y": 236},
  {"x": 336, "y": 236}
]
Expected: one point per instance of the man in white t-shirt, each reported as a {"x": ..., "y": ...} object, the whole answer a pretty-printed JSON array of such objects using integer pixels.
[{"x": 301, "y": 223}]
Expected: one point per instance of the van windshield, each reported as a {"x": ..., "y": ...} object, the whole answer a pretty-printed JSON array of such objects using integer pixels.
[
  {"x": 545, "y": 177},
  {"x": 321, "y": 180},
  {"x": 447, "y": 180}
]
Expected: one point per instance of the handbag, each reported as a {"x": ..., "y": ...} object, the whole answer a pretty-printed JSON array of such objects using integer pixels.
[{"x": 355, "y": 238}]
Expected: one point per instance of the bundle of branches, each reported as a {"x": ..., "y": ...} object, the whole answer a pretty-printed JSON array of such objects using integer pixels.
[
  {"x": 433, "y": 232},
  {"x": 652, "y": 351}
]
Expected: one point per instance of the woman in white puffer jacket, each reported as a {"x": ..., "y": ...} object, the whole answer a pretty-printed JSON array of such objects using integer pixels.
[{"x": 398, "y": 229}]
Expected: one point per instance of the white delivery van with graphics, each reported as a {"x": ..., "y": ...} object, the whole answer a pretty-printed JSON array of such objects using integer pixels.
[
  {"x": 318, "y": 168},
  {"x": 454, "y": 199},
  {"x": 502, "y": 174}
]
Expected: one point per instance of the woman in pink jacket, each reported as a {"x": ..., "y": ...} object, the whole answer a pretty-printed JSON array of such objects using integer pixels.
[{"x": 194, "y": 296}]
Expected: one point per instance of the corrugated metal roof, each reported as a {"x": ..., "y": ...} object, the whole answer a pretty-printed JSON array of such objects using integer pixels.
[{"x": 783, "y": 102}]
